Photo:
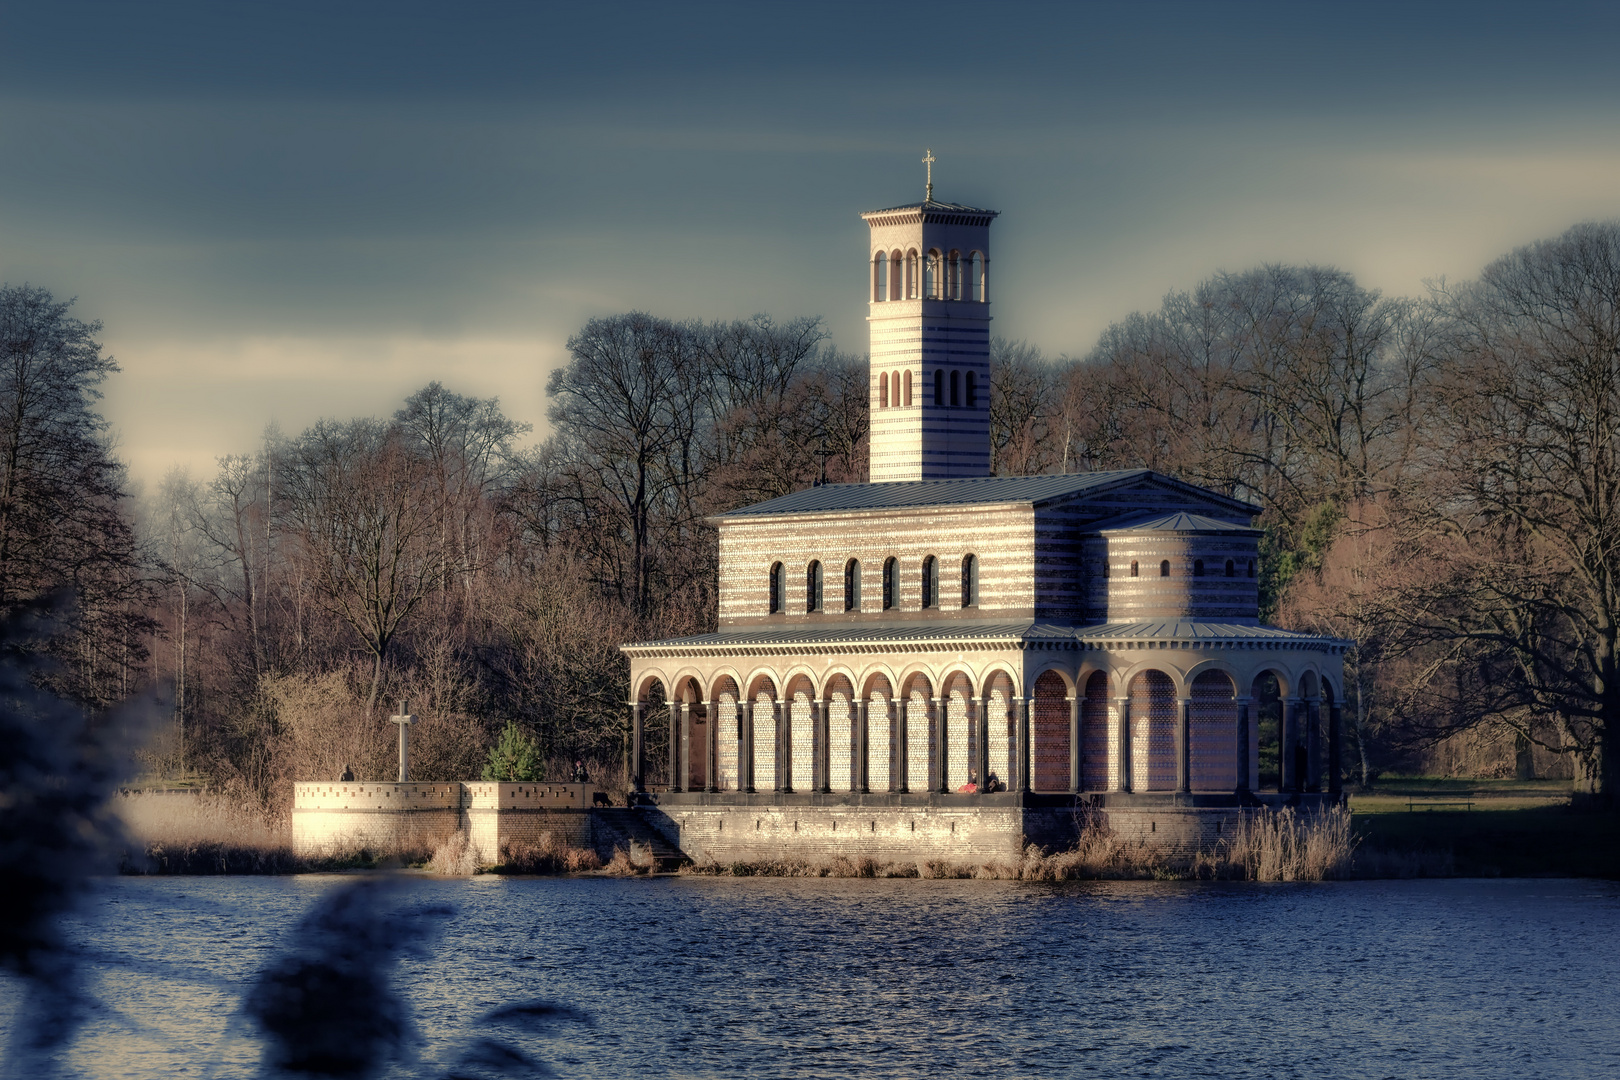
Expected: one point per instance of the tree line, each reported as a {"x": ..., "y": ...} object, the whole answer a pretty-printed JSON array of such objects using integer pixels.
[{"x": 1439, "y": 478}]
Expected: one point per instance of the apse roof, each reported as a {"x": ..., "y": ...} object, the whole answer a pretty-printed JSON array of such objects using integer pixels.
[
  {"x": 1154, "y": 521},
  {"x": 961, "y": 492},
  {"x": 814, "y": 635}
]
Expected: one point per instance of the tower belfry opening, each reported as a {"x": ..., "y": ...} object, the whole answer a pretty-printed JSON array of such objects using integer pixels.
[{"x": 929, "y": 313}]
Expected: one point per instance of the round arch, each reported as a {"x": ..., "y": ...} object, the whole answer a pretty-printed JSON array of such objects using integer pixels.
[{"x": 1153, "y": 695}]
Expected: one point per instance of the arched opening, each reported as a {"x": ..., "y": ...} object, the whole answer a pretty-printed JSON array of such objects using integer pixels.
[
  {"x": 953, "y": 285},
  {"x": 961, "y": 734},
  {"x": 1049, "y": 731},
  {"x": 908, "y": 388},
  {"x": 694, "y": 739},
  {"x": 939, "y": 386},
  {"x": 1164, "y": 568},
  {"x": 776, "y": 589},
  {"x": 930, "y": 581},
  {"x": 759, "y": 732},
  {"x": 654, "y": 765},
  {"x": 1266, "y": 719},
  {"x": 1212, "y": 748},
  {"x": 891, "y": 587},
  {"x": 840, "y": 734},
  {"x": 1134, "y": 568},
  {"x": 880, "y": 276},
  {"x": 883, "y": 390},
  {"x": 1231, "y": 568},
  {"x": 812, "y": 586},
  {"x": 880, "y": 734},
  {"x": 800, "y": 752},
  {"x": 933, "y": 284},
  {"x": 970, "y": 581},
  {"x": 852, "y": 585},
  {"x": 1106, "y": 573},
  {"x": 976, "y": 277},
  {"x": 894, "y": 274},
  {"x": 911, "y": 274},
  {"x": 1001, "y": 742},
  {"x": 1153, "y": 732},
  {"x": 1308, "y": 737},
  {"x": 956, "y": 389},
  {"x": 972, "y": 390},
  {"x": 894, "y": 388},
  {"x": 1251, "y": 568},
  {"x": 919, "y": 735},
  {"x": 1099, "y": 765},
  {"x": 1198, "y": 568},
  {"x": 728, "y": 733}
]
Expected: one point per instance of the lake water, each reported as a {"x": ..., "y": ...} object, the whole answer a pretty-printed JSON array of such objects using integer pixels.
[{"x": 773, "y": 977}]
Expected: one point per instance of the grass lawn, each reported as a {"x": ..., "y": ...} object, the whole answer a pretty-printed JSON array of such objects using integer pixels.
[{"x": 1517, "y": 828}]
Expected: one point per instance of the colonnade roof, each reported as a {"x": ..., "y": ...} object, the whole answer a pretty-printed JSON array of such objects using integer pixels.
[
  {"x": 934, "y": 634},
  {"x": 967, "y": 491}
]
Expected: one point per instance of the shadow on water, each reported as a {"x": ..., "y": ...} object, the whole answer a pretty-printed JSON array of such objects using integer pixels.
[{"x": 325, "y": 1005}]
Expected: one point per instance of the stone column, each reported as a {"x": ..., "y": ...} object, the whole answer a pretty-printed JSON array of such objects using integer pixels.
[
  {"x": 1287, "y": 739},
  {"x": 1074, "y": 744},
  {"x": 940, "y": 774},
  {"x": 1335, "y": 734},
  {"x": 637, "y": 774},
  {"x": 1122, "y": 706},
  {"x": 1021, "y": 756},
  {"x": 745, "y": 757},
  {"x": 782, "y": 722},
  {"x": 1184, "y": 746},
  {"x": 711, "y": 748},
  {"x": 860, "y": 776},
  {"x": 680, "y": 736},
  {"x": 981, "y": 721},
  {"x": 1244, "y": 780},
  {"x": 902, "y": 720},
  {"x": 818, "y": 757},
  {"x": 1313, "y": 745}
]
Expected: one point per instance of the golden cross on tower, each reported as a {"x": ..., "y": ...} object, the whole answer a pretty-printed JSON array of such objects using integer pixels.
[{"x": 928, "y": 160}]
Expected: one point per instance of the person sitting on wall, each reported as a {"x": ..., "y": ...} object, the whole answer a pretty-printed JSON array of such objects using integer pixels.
[
  {"x": 971, "y": 786},
  {"x": 993, "y": 783},
  {"x": 580, "y": 775},
  {"x": 348, "y": 775}
]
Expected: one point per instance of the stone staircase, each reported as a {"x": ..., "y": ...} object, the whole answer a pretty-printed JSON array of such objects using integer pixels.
[{"x": 625, "y": 827}]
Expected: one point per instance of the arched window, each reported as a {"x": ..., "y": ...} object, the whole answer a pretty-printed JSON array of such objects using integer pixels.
[
  {"x": 930, "y": 582},
  {"x": 1231, "y": 568},
  {"x": 908, "y": 388},
  {"x": 776, "y": 588},
  {"x": 894, "y": 274},
  {"x": 1251, "y": 568},
  {"x": 911, "y": 275},
  {"x": 972, "y": 390},
  {"x": 1133, "y": 568},
  {"x": 956, "y": 389},
  {"x": 933, "y": 287},
  {"x": 852, "y": 585},
  {"x": 891, "y": 586},
  {"x": 953, "y": 283},
  {"x": 976, "y": 277},
  {"x": 939, "y": 387},
  {"x": 883, "y": 390},
  {"x": 1164, "y": 568},
  {"x": 812, "y": 586},
  {"x": 880, "y": 276},
  {"x": 894, "y": 388},
  {"x": 970, "y": 580},
  {"x": 1198, "y": 568}
]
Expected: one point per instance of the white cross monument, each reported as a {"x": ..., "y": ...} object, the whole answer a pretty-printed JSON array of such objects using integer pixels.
[{"x": 404, "y": 720}]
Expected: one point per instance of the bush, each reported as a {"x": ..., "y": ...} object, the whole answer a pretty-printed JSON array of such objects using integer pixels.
[{"x": 514, "y": 757}]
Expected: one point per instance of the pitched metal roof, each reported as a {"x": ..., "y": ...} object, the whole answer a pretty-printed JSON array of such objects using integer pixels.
[
  {"x": 934, "y": 205},
  {"x": 812, "y": 635},
  {"x": 906, "y": 493},
  {"x": 1178, "y": 522}
]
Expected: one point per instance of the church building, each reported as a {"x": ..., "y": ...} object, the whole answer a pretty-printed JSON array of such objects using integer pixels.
[{"x": 947, "y": 663}]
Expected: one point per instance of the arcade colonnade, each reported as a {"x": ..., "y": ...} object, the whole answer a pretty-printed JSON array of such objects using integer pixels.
[{"x": 1111, "y": 724}]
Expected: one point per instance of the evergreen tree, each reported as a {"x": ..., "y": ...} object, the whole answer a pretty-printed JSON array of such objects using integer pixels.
[{"x": 515, "y": 756}]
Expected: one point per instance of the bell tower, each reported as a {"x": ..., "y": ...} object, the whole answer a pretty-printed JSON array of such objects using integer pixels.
[{"x": 928, "y": 292}]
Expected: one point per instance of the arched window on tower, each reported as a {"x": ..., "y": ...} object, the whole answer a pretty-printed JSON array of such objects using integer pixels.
[
  {"x": 776, "y": 589},
  {"x": 930, "y": 582},
  {"x": 953, "y": 268},
  {"x": 970, "y": 581},
  {"x": 1134, "y": 568},
  {"x": 972, "y": 390},
  {"x": 894, "y": 388},
  {"x": 883, "y": 389},
  {"x": 908, "y": 388},
  {"x": 1164, "y": 568},
  {"x": 895, "y": 274},
  {"x": 852, "y": 585},
  {"x": 1251, "y": 568},
  {"x": 880, "y": 276},
  {"x": 933, "y": 286},
  {"x": 1231, "y": 568},
  {"x": 976, "y": 277},
  {"x": 956, "y": 389},
  {"x": 1105, "y": 573},
  {"x": 911, "y": 275},
  {"x": 939, "y": 386},
  {"x": 1198, "y": 568},
  {"x": 891, "y": 584}
]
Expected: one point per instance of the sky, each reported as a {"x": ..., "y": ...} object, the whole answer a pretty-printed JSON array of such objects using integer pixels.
[{"x": 288, "y": 211}]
